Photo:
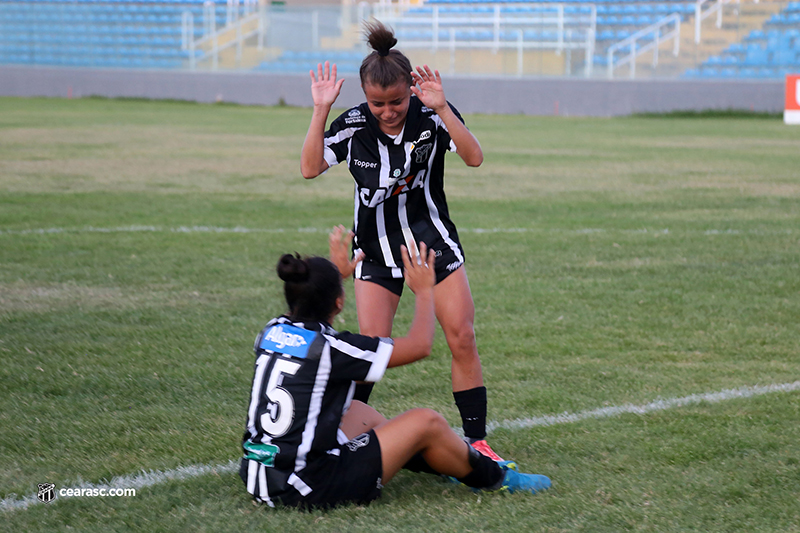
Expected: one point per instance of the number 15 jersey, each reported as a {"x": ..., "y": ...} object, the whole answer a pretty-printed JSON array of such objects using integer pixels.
[{"x": 303, "y": 384}]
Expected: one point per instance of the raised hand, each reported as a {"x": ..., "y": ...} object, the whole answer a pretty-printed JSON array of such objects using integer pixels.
[
  {"x": 428, "y": 88},
  {"x": 339, "y": 244},
  {"x": 418, "y": 268},
  {"x": 324, "y": 86}
]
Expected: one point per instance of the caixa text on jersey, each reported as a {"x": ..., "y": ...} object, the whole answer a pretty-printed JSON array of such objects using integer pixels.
[{"x": 373, "y": 197}]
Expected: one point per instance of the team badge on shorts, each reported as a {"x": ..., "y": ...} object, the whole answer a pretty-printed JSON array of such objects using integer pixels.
[
  {"x": 358, "y": 442},
  {"x": 47, "y": 492}
]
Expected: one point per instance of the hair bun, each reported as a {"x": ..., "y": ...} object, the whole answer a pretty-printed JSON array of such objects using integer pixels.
[
  {"x": 380, "y": 38},
  {"x": 292, "y": 268}
]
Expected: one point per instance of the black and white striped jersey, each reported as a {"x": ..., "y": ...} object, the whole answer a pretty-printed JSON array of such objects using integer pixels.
[
  {"x": 399, "y": 182},
  {"x": 303, "y": 383}
]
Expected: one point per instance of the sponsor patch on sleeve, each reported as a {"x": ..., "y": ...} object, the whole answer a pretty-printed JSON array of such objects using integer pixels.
[{"x": 287, "y": 339}]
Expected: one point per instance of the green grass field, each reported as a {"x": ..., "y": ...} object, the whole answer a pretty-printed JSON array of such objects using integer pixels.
[{"x": 612, "y": 262}]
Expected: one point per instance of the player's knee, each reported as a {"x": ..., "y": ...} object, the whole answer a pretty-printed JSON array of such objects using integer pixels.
[
  {"x": 437, "y": 423},
  {"x": 461, "y": 339},
  {"x": 429, "y": 419}
]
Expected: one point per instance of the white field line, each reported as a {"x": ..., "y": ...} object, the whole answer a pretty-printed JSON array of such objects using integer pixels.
[
  {"x": 240, "y": 229},
  {"x": 149, "y": 479},
  {"x": 657, "y": 405}
]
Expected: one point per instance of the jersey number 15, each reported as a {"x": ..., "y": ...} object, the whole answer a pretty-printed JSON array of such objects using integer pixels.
[{"x": 278, "y": 417}]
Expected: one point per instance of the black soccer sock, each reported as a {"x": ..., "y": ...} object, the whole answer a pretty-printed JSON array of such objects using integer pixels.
[
  {"x": 419, "y": 464},
  {"x": 363, "y": 390},
  {"x": 472, "y": 406},
  {"x": 486, "y": 474}
]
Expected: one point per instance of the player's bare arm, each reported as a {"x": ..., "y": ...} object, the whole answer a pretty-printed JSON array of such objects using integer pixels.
[
  {"x": 324, "y": 92},
  {"x": 420, "y": 277},
  {"x": 429, "y": 90}
]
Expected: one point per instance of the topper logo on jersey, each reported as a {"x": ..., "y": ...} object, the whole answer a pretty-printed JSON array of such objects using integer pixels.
[
  {"x": 373, "y": 197},
  {"x": 287, "y": 339},
  {"x": 364, "y": 164}
]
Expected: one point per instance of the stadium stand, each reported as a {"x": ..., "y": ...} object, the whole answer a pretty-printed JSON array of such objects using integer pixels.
[
  {"x": 771, "y": 52},
  {"x": 98, "y": 33},
  {"x": 347, "y": 62},
  {"x": 580, "y": 37}
]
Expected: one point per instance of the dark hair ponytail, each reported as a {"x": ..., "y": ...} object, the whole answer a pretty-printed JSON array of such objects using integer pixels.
[
  {"x": 311, "y": 287},
  {"x": 384, "y": 66}
]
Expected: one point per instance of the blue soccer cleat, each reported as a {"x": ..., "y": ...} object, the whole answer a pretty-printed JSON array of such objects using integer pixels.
[
  {"x": 507, "y": 465},
  {"x": 518, "y": 482}
]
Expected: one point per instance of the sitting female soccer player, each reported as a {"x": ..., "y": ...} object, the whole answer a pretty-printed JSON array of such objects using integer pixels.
[{"x": 307, "y": 443}]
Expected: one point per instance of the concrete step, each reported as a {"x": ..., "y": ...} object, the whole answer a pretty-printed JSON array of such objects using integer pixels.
[{"x": 229, "y": 58}]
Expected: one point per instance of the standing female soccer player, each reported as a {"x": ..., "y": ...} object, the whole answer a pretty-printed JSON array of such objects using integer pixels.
[
  {"x": 307, "y": 444},
  {"x": 394, "y": 145}
]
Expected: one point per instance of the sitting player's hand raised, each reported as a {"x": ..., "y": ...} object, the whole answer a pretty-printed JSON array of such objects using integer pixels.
[{"x": 418, "y": 268}]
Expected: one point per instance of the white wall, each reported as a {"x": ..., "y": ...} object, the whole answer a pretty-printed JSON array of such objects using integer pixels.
[{"x": 530, "y": 96}]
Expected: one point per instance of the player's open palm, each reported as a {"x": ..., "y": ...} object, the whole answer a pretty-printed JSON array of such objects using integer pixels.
[
  {"x": 419, "y": 268},
  {"x": 428, "y": 87},
  {"x": 339, "y": 241},
  {"x": 324, "y": 86}
]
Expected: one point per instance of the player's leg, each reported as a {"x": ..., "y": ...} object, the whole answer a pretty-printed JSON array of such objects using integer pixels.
[
  {"x": 359, "y": 419},
  {"x": 376, "y": 306},
  {"x": 455, "y": 311},
  {"x": 426, "y": 432}
]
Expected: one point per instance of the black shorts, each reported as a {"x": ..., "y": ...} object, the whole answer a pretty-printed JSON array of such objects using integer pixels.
[
  {"x": 352, "y": 477},
  {"x": 392, "y": 278}
]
